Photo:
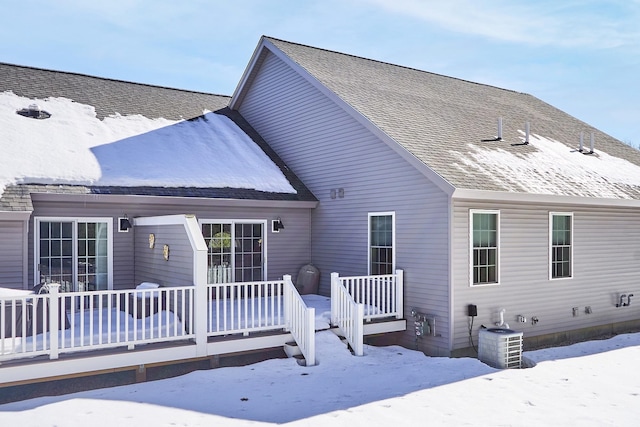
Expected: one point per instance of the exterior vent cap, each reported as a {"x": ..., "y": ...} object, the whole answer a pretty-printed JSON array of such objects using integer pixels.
[{"x": 33, "y": 111}]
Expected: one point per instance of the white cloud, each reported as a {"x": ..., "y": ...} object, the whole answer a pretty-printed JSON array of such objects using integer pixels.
[{"x": 594, "y": 24}]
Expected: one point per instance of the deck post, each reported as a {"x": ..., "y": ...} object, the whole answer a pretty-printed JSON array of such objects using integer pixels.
[
  {"x": 399, "y": 294},
  {"x": 200, "y": 318},
  {"x": 335, "y": 281},
  {"x": 53, "y": 318},
  {"x": 287, "y": 300}
]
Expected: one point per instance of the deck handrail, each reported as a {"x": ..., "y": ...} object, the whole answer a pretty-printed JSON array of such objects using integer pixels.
[
  {"x": 244, "y": 307},
  {"x": 382, "y": 295},
  {"x": 300, "y": 321},
  {"x": 53, "y": 323},
  {"x": 347, "y": 315}
]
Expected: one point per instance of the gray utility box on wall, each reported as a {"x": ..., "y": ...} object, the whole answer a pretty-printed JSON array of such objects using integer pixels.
[{"x": 500, "y": 348}]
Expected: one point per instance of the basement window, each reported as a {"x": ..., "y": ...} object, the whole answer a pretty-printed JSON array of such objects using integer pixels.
[{"x": 33, "y": 111}]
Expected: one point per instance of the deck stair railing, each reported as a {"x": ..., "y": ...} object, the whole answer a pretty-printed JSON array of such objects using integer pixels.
[
  {"x": 378, "y": 296},
  {"x": 347, "y": 315},
  {"x": 300, "y": 321}
]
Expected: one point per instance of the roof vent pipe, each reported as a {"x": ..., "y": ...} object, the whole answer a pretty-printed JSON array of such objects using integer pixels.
[
  {"x": 499, "y": 128},
  {"x": 526, "y": 132},
  {"x": 592, "y": 143},
  {"x": 581, "y": 142}
]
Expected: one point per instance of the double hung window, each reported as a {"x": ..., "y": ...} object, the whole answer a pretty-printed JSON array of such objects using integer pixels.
[
  {"x": 485, "y": 242},
  {"x": 560, "y": 245},
  {"x": 381, "y": 243}
]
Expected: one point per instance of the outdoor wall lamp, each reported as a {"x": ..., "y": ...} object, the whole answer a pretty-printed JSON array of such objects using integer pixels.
[
  {"x": 124, "y": 224},
  {"x": 277, "y": 225}
]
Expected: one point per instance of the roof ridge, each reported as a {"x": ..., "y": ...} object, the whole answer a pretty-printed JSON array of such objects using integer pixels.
[
  {"x": 72, "y": 73},
  {"x": 394, "y": 65}
]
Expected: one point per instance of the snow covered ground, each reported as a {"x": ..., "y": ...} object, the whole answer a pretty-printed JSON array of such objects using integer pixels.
[{"x": 589, "y": 384}]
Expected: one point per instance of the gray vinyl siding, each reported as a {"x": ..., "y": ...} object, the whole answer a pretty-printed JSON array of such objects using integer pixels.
[
  {"x": 606, "y": 263},
  {"x": 328, "y": 149},
  {"x": 287, "y": 251},
  {"x": 150, "y": 263},
  {"x": 11, "y": 254}
]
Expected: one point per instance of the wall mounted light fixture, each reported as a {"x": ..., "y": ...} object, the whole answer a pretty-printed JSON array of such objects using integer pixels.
[
  {"x": 124, "y": 224},
  {"x": 277, "y": 225}
]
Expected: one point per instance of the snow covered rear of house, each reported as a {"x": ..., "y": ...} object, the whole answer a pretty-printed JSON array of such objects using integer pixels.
[{"x": 74, "y": 147}]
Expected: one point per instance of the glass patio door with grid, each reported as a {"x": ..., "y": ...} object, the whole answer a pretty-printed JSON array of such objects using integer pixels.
[
  {"x": 235, "y": 251},
  {"x": 76, "y": 253}
]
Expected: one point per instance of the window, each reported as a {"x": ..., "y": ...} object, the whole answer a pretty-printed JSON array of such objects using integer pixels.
[
  {"x": 236, "y": 251},
  {"x": 561, "y": 249},
  {"x": 381, "y": 243},
  {"x": 74, "y": 252},
  {"x": 485, "y": 240}
]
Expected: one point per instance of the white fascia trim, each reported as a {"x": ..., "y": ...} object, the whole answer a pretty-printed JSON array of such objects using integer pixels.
[
  {"x": 172, "y": 200},
  {"x": 15, "y": 215},
  {"x": 438, "y": 180},
  {"x": 500, "y": 196},
  {"x": 238, "y": 93}
]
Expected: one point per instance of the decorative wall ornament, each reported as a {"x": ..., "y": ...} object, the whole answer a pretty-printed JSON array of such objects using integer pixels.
[
  {"x": 152, "y": 240},
  {"x": 165, "y": 252}
]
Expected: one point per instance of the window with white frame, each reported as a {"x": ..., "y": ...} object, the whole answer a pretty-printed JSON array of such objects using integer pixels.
[
  {"x": 235, "y": 250},
  {"x": 381, "y": 243},
  {"x": 560, "y": 245},
  {"x": 485, "y": 242},
  {"x": 74, "y": 252}
]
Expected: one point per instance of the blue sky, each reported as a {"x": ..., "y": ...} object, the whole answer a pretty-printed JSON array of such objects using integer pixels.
[{"x": 581, "y": 56}]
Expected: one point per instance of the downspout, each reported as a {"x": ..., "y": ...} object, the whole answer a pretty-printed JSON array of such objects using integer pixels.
[
  {"x": 450, "y": 272},
  {"x": 25, "y": 253}
]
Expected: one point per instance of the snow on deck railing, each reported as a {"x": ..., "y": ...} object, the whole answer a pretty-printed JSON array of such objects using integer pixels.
[
  {"x": 93, "y": 320},
  {"x": 300, "y": 320},
  {"x": 347, "y": 315},
  {"x": 382, "y": 295}
]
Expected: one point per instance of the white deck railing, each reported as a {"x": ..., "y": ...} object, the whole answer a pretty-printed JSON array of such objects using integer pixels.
[
  {"x": 300, "y": 321},
  {"x": 54, "y": 323},
  {"x": 247, "y": 307},
  {"x": 347, "y": 315},
  {"x": 382, "y": 295},
  {"x": 357, "y": 299},
  {"x": 244, "y": 307}
]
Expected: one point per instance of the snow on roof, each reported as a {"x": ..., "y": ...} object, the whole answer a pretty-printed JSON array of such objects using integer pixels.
[
  {"x": 75, "y": 147},
  {"x": 554, "y": 168}
]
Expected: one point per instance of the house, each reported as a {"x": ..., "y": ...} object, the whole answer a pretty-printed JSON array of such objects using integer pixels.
[
  {"x": 445, "y": 203},
  {"x": 494, "y": 203}
]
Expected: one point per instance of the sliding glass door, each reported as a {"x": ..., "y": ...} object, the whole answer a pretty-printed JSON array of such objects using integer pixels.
[
  {"x": 76, "y": 253},
  {"x": 236, "y": 251}
]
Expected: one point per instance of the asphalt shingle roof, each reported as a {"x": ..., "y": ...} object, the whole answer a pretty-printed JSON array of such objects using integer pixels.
[
  {"x": 437, "y": 118},
  {"x": 110, "y": 97}
]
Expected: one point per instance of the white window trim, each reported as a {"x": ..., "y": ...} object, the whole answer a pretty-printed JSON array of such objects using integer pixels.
[
  {"x": 264, "y": 223},
  {"x": 550, "y": 260},
  {"x": 393, "y": 238},
  {"x": 74, "y": 220},
  {"x": 498, "y": 247}
]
